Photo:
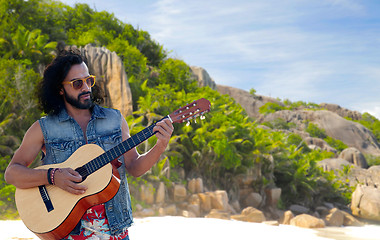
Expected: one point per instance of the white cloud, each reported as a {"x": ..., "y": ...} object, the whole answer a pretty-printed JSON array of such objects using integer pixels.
[
  {"x": 372, "y": 108},
  {"x": 375, "y": 111}
]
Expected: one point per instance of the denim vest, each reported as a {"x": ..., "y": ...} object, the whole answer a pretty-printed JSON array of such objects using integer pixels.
[{"x": 63, "y": 135}]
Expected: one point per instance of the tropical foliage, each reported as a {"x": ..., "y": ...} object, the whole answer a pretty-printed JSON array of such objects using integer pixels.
[
  {"x": 17, "y": 111},
  {"x": 226, "y": 145}
]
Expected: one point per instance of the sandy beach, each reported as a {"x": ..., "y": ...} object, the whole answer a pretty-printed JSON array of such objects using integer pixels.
[{"x": 173, "y": 228}]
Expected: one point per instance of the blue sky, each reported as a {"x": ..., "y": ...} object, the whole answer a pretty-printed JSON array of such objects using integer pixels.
[{"x": 320, "y": 51}]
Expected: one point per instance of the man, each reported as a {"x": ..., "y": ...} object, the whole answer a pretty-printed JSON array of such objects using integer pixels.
[{"x": 73, "y": 120}]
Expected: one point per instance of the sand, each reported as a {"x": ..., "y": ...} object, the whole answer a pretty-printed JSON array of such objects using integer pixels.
[{"x": 174, "y": 228}]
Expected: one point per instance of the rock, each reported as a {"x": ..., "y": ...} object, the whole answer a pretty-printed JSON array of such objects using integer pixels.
[
  {"x": 147, "y": 213},
  {"x": 170, "y": 210},
  {"x": 202, "y": 77},
  {"x": 110, "y": 77},
  {"x": 368, "y": 177},
  {"x": 199, "y": 185},
  {"x": 219, "y": 200},
  {"x": 314, "y": 147},
  {"x": 205, "y": 202},
  {"x": 335, "y": 164},
  {"x": 161, "y": 193},
  {"x": 316, "y": 214},
  {"x": 354, "y": 156},
  {"x": 188, "y": 214},
  {"x": 298, "y": 209},
  {"x": 239, "y": 217},
  {"x": 250, "y": 214},
  {"x": 335, "y": 218},
  {"x": 253, "y": 200},
  {"x": 365, "y": 202},
  {"x": 288, "y": 215},
  {"x": 359, "y": 175},
  {"x": 191, "y": 186},
  {"x": 322, "y": 210},
  {"x": 272, "y": 212},
  {"x": 161, "y": 212},
  {"x": 273, "y": 196},
  {"x": 180, "y": 193},
  {"x": 232, "y": 209},
  {"x": 217, "y": 213},
  {"x": 244, "y": 192},
  {"x": 351, "y": 133},
  {"x": 194, "y": 205},
  {"x": 374, "y": 172},
  {"x": 195, "y": 185},
  {"x": 250, "y": 103},
  {"x": 236, "y": 205},
  {"x": 328, "y": 205},
  {"x": 320, "y": 143},
  {"x": 350, "y": 220},
  {"x": 343, "y": 112},
  {"x": 139, "y": 207},
  {"x": 147, "y": 193},
  {"x": 307, "y": 221},
  {"x": 194, "y": 199},
  {"x": 195, "y": 209},
  {"x": 272, "y": 223},
  {"x": 278, "y": 215}
]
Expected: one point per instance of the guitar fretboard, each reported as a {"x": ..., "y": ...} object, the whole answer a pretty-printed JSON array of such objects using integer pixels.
[{"x": 116, "y": 151}]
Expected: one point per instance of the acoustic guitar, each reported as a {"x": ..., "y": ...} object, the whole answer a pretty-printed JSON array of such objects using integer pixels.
[{"x": 52, "y": 213}]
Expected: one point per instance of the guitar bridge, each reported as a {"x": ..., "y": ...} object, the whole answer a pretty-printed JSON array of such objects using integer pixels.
[{"x": 45, "y": 197}]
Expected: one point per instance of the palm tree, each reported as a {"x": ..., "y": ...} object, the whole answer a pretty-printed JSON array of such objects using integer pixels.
[
  {"x": 147, "y": 107},
  {"x": 25, "y": 44}
]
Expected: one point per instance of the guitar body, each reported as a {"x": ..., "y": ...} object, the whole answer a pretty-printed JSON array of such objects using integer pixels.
[{"x": 68, "y": 208}]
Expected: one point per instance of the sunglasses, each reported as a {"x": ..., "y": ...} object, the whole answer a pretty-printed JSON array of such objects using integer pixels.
[{"x": 78, "y": 83}]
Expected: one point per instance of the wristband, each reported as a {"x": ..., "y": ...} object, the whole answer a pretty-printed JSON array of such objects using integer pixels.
[{"x": 49, "y": 176}]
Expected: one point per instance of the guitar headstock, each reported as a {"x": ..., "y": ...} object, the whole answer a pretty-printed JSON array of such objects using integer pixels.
[{"x": 191, "y": 111}]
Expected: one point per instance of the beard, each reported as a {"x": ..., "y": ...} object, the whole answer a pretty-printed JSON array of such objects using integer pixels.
[{"x": 75, "y": 102}]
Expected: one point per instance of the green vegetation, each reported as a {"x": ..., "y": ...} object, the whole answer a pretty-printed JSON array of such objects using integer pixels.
[
  {"x": 228, "y": 143},
  {"x": 272, "y": 107},
  {"x": 300, "y": 105},
  {"x": 372, "y": 160},
  {"x": 314, "y": 131},
  {"x": 252, "y": 91},
  {"x": 279, "y": 123}
]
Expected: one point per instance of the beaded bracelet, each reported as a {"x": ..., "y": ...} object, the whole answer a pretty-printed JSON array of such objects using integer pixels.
[{"x": 52, "y": 175}]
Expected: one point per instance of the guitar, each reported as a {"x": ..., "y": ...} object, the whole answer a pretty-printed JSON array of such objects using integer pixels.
[{"x": 52, "y": 213}]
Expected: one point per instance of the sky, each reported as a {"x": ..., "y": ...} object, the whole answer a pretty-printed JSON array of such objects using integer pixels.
[{"x": 317, "y": 51}]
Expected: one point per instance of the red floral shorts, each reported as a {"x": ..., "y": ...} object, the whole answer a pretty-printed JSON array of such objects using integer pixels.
[{"x": 94, "y": 225}]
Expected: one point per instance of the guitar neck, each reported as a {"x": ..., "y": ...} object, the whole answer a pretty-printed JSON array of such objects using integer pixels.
[
  {"x": 116, "y": 151},
  {"x": 186, "y": 113}
]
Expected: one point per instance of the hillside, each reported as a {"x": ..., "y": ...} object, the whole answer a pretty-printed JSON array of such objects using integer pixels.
[{"x": 332, "y": 118}]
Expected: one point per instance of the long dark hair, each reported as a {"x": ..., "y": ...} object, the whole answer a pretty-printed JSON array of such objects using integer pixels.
[{"x": 51, "y": 102}]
